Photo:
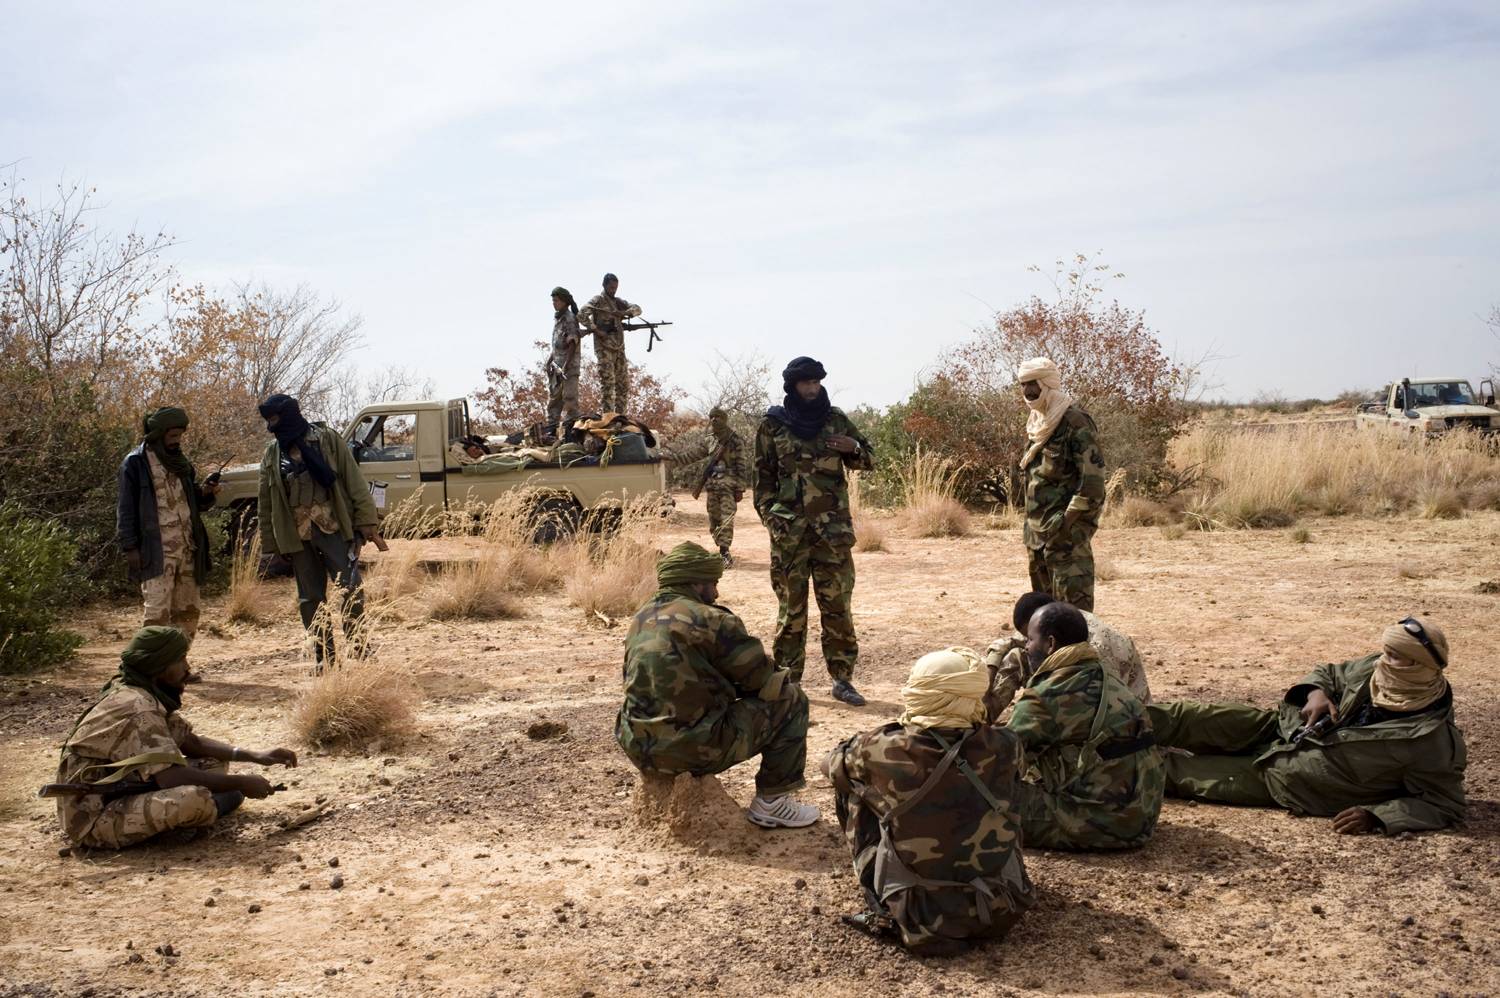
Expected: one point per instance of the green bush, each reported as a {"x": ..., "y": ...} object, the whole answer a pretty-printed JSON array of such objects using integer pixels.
[{"x": 36, "y": 557}]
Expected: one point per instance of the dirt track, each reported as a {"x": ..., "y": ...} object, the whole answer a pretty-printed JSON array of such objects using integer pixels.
[{"x": 476, "y": 860}]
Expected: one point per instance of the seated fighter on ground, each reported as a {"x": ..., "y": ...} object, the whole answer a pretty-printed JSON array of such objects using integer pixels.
[
  {"x": 1371, "y": 741},
  {"x": 701, "y": 695},
  {"x": 1009, "y": 669},
  {"x": 926, "y": 804},
  {"x": 1093, "y": 774},
  {"x": 133, "y": 739}
]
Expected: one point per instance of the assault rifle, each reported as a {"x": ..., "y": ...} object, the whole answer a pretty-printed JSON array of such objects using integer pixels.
[
  {"x": 709, "y": 470},
  {"x": 109, "y": 791},
  {"x": 646, "y": 325}
]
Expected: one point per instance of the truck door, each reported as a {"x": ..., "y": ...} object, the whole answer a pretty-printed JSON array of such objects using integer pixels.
[{"x": 385, "y": 445}]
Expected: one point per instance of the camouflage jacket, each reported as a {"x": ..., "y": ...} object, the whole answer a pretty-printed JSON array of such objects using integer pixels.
[
  {"x": 564, "y": 339},
  {"x": 730, "y": 474},
  {"x": 1067, "y": 473},
  {"x": 956, "y": 870},
  {"x": 800, "y": 483},
  {"x": 1009, "y": 668},
  {"x": 128, "y": 722},
  {"x": 686, "y": 662},
  {"x": 1089, "y": 747},
  {"x": 603, "y": 314}
]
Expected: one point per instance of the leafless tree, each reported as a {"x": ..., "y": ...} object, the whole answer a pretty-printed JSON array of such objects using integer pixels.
[
  {"x": 735, "y": 384},
  {"x": 298, "y": 342},
  {"x": 353, "y": 391}
]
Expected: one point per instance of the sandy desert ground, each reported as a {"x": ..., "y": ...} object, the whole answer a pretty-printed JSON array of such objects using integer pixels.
[{"x": 477, "y": 860}]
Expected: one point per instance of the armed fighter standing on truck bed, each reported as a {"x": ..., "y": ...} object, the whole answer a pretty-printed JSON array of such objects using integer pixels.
[{"x": 605, "y": 316}]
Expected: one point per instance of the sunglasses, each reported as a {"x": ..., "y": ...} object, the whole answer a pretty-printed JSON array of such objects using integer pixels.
[{"x": 1414, "y": 628}]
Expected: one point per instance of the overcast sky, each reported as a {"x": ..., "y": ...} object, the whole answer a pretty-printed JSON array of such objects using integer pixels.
[{"x": 1310, "y": 190}]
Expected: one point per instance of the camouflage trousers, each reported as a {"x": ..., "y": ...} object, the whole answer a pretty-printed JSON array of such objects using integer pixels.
[
  {"x": 775, "y": 730},
  {"x": 562, "y": 390},
  {"x": 1222, "y": 742},
  {"x": 721, "y": 506},
  {"x": 1063, "y": 567},
  {"x": 1057, "y": 820},
  {"x": 614, "y": 376},
  {"x": 171, "y": 598},
  {"x": 794, "y": 561},
  {"x": 127, "y": 821}
]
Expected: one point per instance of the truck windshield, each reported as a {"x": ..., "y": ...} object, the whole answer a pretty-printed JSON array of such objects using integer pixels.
[{"x": 1429, "y": 393}]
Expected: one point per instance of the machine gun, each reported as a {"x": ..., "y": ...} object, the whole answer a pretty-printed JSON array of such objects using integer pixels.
[
  {"x": 110, "y": 791},
  {"x": 646, "y": 325},
  {"x": 708, "y": 472}
]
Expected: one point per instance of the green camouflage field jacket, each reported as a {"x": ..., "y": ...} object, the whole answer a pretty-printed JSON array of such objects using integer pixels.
[
  {"x": 1067, "y": 472},
  {"x": 801, "y": 483}
]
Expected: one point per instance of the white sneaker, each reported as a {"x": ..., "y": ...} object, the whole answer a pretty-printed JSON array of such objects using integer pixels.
[{"x": 781, "y": 812}]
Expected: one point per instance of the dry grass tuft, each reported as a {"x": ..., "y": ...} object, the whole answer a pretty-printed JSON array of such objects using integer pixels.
[
  {"x": 1300, "y": 535},
  {"x": 1173, "y": 532},
  {"x": 475, "y": 590},
  {"x": 869, "y": 533},
  {"x": 611, "y": 573},
  {"x": 396, "y": 574},
  {"x": 247, "y": 592},
  {"x": 929, "y": 487},
  {"x": 1105, "y": 570},
  {"x": 361, "y": 700},
  {"x": 1265, "y": 479},
  {"x": 1137, "y": 511}
]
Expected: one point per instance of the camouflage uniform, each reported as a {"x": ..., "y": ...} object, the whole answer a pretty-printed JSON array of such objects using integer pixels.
[
  {"x": 129, "y": 722},
  {"x": 603, "y": 315},
  {"x": 952, "y": 869},
  {"x": 171, "y": 598},
  {"x": 726, "y": 484},
  {"x": 701, "y": 696},
  {"x": 803, "y": 499},
  {"x": 1009, "y": 668},
  {"x": 1094, "y": 778},
  {"x": 1067, "y": 473},
  {"x": 562, "y": 368}
]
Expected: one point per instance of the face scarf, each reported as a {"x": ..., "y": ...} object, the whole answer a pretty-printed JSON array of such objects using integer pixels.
[
  {"x": 945, "y": 690},
  {"x": 686, "y": 564},
  {"x": 156, "y": 424},
  {"x": 1062, "y": 658},
  {"x": 1419, "y": 683},
  {"x": 1047, "y": 411},
  {"x": 291, "y": 431},
  {"x": 804, "y": 419}
]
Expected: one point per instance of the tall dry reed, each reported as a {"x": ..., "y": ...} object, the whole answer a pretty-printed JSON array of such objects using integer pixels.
[
  {"x": 929, "y": 495},
  {"x": 247, "y": 591}
]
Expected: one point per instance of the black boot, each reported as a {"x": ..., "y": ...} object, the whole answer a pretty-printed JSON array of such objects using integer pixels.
[
  {"x": 845, "y": 691},
  {"x": 228, "y": 800}
]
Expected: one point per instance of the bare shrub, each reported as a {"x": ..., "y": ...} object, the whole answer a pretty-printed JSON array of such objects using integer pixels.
[{"x": 359, "y": 701}]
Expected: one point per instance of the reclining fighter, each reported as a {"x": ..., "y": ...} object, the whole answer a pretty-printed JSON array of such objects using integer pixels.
[
  {"x": 146, "y": 769},
  {"x": 1371, "y": 741},
  {"x": 701, "y": 695}
]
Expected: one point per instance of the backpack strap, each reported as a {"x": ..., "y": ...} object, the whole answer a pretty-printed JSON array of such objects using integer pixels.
[
  {"x": 117, "y": 770},
  {"x": 968, "y": 771}
]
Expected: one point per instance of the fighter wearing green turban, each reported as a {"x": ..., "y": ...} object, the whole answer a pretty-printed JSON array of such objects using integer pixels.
[
  {"x": 153, "y": 773},
  {"x": 160, "y": 524},
  {"x": 701, "y": 695}
]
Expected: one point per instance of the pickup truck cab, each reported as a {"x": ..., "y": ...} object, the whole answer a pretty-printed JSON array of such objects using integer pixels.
[
  {"x": 1432, "y": 407},
  {"x": 404, "y": 449}
]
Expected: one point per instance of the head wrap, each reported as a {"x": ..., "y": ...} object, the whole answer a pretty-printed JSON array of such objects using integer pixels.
[
  {"x": 1413, "y": 686},
  {"x": 945, "y": 690},
  {"x": 291, "y": 431},
  {"x": 717, "y": 412},
  {"x": 608, "y": 278},
  {"x": 688, "y": 563},
  {"x": 156, "y": 424},
  {"x": 718, "y": 422},
  {"x": 147, "y": 656},
  {"x": 1048, "y": 408},
  {"x": 567, "y": 296},
  {"x": 805, "y": 419}
]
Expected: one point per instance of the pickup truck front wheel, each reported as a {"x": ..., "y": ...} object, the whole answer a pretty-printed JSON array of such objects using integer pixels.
[{"x": 554, "y": 515}]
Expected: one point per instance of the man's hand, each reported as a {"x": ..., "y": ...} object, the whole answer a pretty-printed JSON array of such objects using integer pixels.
[
  {"x": 1316, "y": 706},
  {"x": 1355, "y": 821},
  {"x": 372, "y": 535},
  {"x": 257, "y": 787},
  {"x": 843, "y": 444},
  {"x": 275, "y": 757},
  {"x": 212, "y": 488},
  {"x": 133, "y": 559}
]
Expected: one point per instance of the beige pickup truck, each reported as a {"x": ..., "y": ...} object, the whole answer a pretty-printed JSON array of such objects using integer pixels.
[
  {"x": 404, "y": 449},
  {"x": 1431, "y": 407}
]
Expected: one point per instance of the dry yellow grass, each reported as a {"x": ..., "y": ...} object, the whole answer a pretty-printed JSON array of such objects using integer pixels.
[
  {"x": 1269, "y": 478},
  {"x": 611, "y": 573},
  {"x": 247, "y": 593},
  {"x": 869, "y": 532},
  {"x": 361, "y": 700},
  {"x": 477, "y": 589},
  {"x": 1137, "y": 511},
  {"x": 929, "y": 488}
]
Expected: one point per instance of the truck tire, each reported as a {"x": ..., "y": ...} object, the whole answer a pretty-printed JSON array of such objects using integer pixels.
[{"x": 553, "y": 515}]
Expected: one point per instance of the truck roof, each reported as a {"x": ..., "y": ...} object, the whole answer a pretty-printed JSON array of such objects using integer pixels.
[
  {"x": 1433, "y": 380},
  {"x": 405, "y": 405}
]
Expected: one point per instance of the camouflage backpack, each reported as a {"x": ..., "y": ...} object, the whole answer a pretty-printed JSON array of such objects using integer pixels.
[{"x": 934, "y": 915}]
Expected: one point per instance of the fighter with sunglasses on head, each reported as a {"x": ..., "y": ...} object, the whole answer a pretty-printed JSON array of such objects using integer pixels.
[{"x": 1371, "y": 742}]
